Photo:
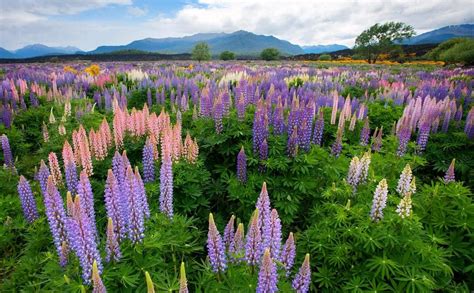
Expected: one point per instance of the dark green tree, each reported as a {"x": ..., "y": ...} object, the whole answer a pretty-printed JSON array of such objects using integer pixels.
[
  {"x": 227, "y": 55},
  {"x": 381, "y": 38},
  {"x": 270, "y": 54},
  {"x": 325, "y": 57},
  {"x": 457, "y": 50},
  {"x": 201, "y": 52}
]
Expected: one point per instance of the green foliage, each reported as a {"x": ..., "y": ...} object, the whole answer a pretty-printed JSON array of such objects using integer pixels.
[
  {"x": 380, "y": 38},
  {"x": 227, "y": 55},
  {"x": 270, "y": 54},
  {"x": 325, "y": 57},
  {"x": 201, "y": 52},
  {"x": 457, "y": 50}
]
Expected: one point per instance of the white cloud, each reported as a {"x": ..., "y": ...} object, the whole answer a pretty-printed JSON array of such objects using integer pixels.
[
  {"x": 137, "y": 11},
  {"x": 303, "y": 22}
]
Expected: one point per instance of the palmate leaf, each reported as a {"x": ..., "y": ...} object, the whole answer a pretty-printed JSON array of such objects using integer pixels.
[
  {"x": 356, "y": 285},
  {"x": 382, "y": 267}
]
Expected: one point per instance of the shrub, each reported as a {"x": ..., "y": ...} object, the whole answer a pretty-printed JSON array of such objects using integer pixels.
[
  {"x": 269, "y": 54},
  {"x": 325, "y": 57},
  {"x": 227, "y": 55}
]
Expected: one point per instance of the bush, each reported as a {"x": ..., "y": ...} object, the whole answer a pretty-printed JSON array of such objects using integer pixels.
[
  {"x": 458, "y": 50},
  {"x": 325, "y": 57},
  {"x": 201, "y": 52},
  {"x": 269, "y": 54},
  {"x": 227, "y": 55}
]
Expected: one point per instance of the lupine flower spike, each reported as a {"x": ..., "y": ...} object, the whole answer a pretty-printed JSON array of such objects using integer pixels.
[
  {"x": 288, "y": 254},
  {"x": 112, "y": 247},
  {"x": 183, "y": 282},
  {"x": 303, "y": 278},
  {"x": 450, "y": 177},
  {"x": 150, "y": 288},
  {"x": 379, "y": 201},
  {"x": 215, "y": 248},
  {"x": 229, "y": 232},
  {"x": 253, "y": 241},
  {"x": 242, "y": 166},
  {"x": 267, "y": 277},
  {"x": 237, "y": 246},
  {"x": 28, "y": 202},
  {"x": 98, "y": 286}
]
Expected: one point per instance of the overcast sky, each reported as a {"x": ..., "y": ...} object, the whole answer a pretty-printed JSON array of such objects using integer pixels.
[{"x": 87, "y": 24}]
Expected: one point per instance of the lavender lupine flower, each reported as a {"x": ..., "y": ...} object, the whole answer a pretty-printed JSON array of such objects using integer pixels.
[
  {"x": 447, "y": 118},
  {"x": 54, "y": 208},
  {"x": 288, "y": 254},
  {"x": 253, "y": 241},
  {"x": 70, "y": 168},
  {"x": 136, "y": 226},
  {"x": 28, "y": 202},
  {"x": 166, "y": 187},
  {"x": 337, "y": 145},
  {"x": 272, "y": 235},
  {"x": 379, "y": 201},
  {"x": 354, "y": 173},
  {"x": 118, "y": 168},
  {"x": 303, "y": 278},
  {"x": 278, "y": 120},
  {"x": 267, "y": 277},
  {"x": 423, "y": 133},
  {"x": 218, "y": 113},
  {"x": 242, "y": 166},
  {"x": 237, "y": 246},
  {"x": 141, "y": 193},
  {"x": 116, "y": 210},
  {"x": 215, "y": 248},
  {"x": 263, "y": 206},
  {"x": 404, "y": 135},
  {"x": 98, "y": 286},
  {"x": 292, "y": 146},
  {"x": 112, "y": 247},
  {"x": 7, "y": 152},
  {"x": 87, "y": 198},
  {"x": 82, "y": 239},
  {"x": 148, "y": 163},
  {"x": 304, "y": 134},
  {"x": 450, "y": 177},
  {"x": 42, "y": 176},
  {"x": 365, "y": 133},
  {"x": 263, "y": 154},
  {"x": 319, "y": 128},
  {"x": 229, "y": 232},
  {"x": 404, "y": 182},
  {"x": 183, "y": 282}
]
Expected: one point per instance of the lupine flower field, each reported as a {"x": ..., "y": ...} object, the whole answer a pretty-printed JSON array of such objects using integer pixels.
[{"x": 236, "y": 177}]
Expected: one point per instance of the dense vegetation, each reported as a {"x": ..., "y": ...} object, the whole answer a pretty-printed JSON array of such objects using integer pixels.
[{"x": 356, "y": 161}]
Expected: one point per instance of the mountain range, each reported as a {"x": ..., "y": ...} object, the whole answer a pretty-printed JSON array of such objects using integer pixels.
[{"x": 240, "y": 42}]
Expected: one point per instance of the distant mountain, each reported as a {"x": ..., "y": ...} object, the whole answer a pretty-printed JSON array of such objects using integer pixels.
[
  {"x": 317, "y": 49},
  {"x": 239, "y": 42},
  {"x": 442, "y": 34},
  {"x": 41, "y": 50},
  {"x": 6, "y": 54}
]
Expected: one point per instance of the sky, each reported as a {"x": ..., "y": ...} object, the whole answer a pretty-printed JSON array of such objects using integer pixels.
[{"x": 87, "y": 24}]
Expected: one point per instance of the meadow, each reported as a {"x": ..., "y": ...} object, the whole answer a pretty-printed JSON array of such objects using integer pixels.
[{"x": 236, "y": 177}]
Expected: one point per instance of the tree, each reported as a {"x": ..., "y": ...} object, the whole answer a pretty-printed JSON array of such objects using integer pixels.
[
  {"x": 270, "y": 54},
  {"x": 325, "y": 57},
  {"x": 381, "y": 38},
  {"x": 201, "y": 52},
  {"x": 227, "y": 55}
]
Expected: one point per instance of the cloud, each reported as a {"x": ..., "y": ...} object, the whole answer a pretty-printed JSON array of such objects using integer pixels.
[
  {"x": 301, "y": 22},
  {"x": 137, "y": 11}
]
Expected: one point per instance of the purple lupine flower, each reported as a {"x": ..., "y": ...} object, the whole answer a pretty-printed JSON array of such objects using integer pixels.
[
  {"x": 82, "y": 239},
  {"x": 304, "y": 134},
  {"x": 148, "y": 163},
  {"x": 7, "y": 152},
  {"x": 148, "y": 98},
  {"x": 98, "y": 286},
  {"x": 337, "y": 145},
  {"x": 142, "y": 193},
  {"x": 253, "y": 241},
  {"x": 288, "y": 254},
  {"x": 240, "y": 106},
  {"x": 365, "y": 133},
  {"x": 263, "y": 154},
  {"x": 263, "y": 207},
  {"x": 84, "y": 189},
  {"x": 70, "y": 171},
  {"x": 242, "y": 166},
  {"x": 267, "y": 277},
  {"x": 380, "y": 201},
  {"x": 292, "y": 145},
  {"x": 42, "y": 176},
  {"x": 450, "y": 177},
  {"x": 377, "y": 139},
  {"x": 447, "y": 118},
  {"x": 423, "y": 133},
  {"x": 215, "y": 248},
  {"x": 278, "y": 120},
  {"x": 354, "y": 173},
  {"x": 114, "y": 205},
  {"x": 404, "y": 135},
  {"x": 303, "y": 278},
  {"x": 28, "y": 202},
  {"x": 272, "y": 235},
  {"x": 112, "y": 247},
  {"x": 118, "y": 168},
  {"x": 218, "y": 113},
  {"x": 319, "y": 129},
  {"x": 237, "y": 246},
  {"x": 54, "y": 208},
  {"x": 136, "y": 215},
  {"x": 229, "y": 232},
  {"x": 166, "y": 186}
]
